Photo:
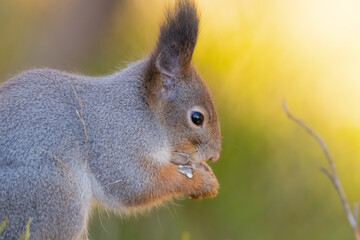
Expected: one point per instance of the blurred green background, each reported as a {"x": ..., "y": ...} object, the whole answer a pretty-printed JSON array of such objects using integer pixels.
[{"x": 252, "y": 54}]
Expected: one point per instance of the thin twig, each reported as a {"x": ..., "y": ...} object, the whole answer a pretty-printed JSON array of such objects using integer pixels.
[
  {"x": 81, "y": 118},
  {"x": 356, "y": 211},
  {"x": 331, "y": 173},
  {"x": 56, "y": 158},
  {"x": 313, "y": 134},
  {"x": 117, "y": 181},
  {"x": 66, "y": 169}
]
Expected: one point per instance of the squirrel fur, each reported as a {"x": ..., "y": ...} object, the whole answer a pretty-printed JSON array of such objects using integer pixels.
[{"x": 69, "y": 140}]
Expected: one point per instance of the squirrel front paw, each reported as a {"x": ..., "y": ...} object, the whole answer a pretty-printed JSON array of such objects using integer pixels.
[
  {"x": 205, "y": 183},
  {"x": 180, "y": 158},
  {"x": 172, "y": 182}
]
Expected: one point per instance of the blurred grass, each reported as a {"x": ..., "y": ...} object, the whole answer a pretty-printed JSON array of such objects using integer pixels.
[
  {"x": 25, "y": 235},
  {"x": 3, "y": 225},
  {"x": 252, "y": 54},
  {"x": 185, "y": 236}
]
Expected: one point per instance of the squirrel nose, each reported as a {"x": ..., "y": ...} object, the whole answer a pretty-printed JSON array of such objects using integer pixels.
[{"x": 215, "y": 157}]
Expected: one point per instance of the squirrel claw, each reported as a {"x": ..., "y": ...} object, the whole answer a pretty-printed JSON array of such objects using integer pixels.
[{"x": 181, "y": 158}]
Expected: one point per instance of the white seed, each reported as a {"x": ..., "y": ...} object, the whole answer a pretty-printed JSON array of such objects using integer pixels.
[{"x": 186, "y": 170}]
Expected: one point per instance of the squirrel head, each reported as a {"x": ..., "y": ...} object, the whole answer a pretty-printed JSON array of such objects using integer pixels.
[{"x": 175, "y": 92}]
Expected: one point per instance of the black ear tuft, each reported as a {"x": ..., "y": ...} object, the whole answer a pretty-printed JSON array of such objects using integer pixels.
[{"x": 177, "y": 39}]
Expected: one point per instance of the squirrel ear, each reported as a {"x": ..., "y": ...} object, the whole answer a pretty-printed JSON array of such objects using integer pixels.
[{"x": 177, "y": 39}]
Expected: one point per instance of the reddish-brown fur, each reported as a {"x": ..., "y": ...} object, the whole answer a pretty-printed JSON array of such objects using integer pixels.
[
  {"x": 203, "y": 184},
  {"x": 168, "y": 182}
]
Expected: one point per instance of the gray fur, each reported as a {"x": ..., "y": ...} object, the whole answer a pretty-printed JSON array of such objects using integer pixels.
[
  {"x": 43, "y": 147},
  {"x": 69, "y": 140}
]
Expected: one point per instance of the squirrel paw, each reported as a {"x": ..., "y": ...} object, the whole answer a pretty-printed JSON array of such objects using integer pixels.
[
  {"x": 180, "y": 158},
  {"x": 203, "y": 183},
  {"x": 207, "y": 184}
]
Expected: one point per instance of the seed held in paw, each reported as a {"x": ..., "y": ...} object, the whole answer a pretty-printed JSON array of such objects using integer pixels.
[{"x": 186, "y": 170}]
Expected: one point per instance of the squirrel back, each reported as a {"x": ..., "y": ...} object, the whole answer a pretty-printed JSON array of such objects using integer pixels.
[{"x": 70, "y": 140}]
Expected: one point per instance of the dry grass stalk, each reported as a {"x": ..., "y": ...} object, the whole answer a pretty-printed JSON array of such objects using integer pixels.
[{"x": 330, "y": 172}]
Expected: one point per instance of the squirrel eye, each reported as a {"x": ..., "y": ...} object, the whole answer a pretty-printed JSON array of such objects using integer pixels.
[{"x": 197, "y": 118}]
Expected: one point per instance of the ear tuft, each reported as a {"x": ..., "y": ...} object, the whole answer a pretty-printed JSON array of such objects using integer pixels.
[{"x": 177, "y": 39}]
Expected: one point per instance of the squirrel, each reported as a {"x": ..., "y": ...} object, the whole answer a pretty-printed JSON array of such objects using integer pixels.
[{"x": 127, "y": 140}]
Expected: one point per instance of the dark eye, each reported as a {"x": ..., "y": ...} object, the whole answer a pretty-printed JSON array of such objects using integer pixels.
[{"x": 197, "y": 118}]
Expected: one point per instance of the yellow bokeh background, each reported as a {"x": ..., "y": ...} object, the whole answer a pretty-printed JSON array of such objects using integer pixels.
[{"x": 253, "y": 54}]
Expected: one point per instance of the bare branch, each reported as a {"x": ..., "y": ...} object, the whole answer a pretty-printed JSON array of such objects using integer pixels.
[
  {"x": 328, "y": 173},
  {"x": 313, "y": 134},
  {"x": 331, "y": 173},
  {"x": 356, "y": 212}
]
